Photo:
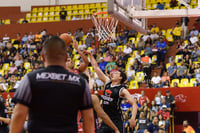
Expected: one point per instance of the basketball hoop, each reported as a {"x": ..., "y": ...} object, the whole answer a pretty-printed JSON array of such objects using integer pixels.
[{"x": 105, "y": 25}]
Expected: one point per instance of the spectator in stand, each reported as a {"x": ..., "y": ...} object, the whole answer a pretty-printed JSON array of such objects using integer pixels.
[
  {"x": 122, "y": 39},
  {"x": 38, "y": 37},
  {"x": 176, "y": 31},
  {"x": 25, "y": 38},
  {"x": 164, "y": 78},
  {"x": 63, "y": 14},
  {"x": 1, "y": 22},
  {"x": 149, "y": 40},
  {"x": 148, "y": 49},
  {"x": 181, "y": 71},
  {"x": 193, "y": 39},
  {"x": 194, "y": 55},
  {"x": 154, "y": 36},
  {"x": 191, "y": 72},
  {"x": 162, "y": 49},
  {"x": 130, "y": 73},
  {"x": 82, "y": 46},
  {"x": 187, "y": 128},
  {"x": 89, "y": 40},
  {"x": 6, "y": 39},
  {"x": 143, "y": 99},
  {"x": 153, "y": 127},
  {"x": 162, "y": 122},
  {"x": 140, "y": 44},
  {"x": 187, "y": 61},
  {"x": 170, "y": 100},
  {"x": 155, "y": 28},
  {"x": 18, "y": 39},
  {"x": 132, "y": 33},
  {"x": 153, "y": 106},
  {"x": 127, "y": 51},
  {"x": 107, "y": 57},
  {"x": 156, "y": 80},
  {"x": 194, "y": 31},
  {"x": 142, "y": 123},
  {"x": 158, "y": 98},
  {"x": 165, "y": 114},
  {"x": 78, "y": 35},
  {"x": 197, "y": 25},
  {"x": 146, "y": 63},
  {"x": 24, "y": 21},
  {"x": 184, "y": 26},
  {"x": 160, "y": 6},
  {"x": 173, "y": 3},
  {"x": 120, "y": 65},
  {"x": 31, "y": 36},
  {"x": 175, "y": 85},
  {"x": 164, "y": 102},
  {"x": 172, "y": 71},
  {"x": 13, "y": 69},
  {"x": 197, "y": 76},
  {"x": 110, "y": 65}
]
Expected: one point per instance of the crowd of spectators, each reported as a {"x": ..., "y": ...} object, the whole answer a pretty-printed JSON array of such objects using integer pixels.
[{"x": 152, "y": 116}]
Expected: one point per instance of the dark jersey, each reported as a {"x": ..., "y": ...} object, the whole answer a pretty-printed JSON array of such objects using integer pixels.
[
  {"x": 111, "y": 100},
  {"x": 54, "y": 96}
]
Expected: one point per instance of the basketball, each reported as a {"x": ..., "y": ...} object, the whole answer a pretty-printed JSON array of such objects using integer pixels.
[{"x": 66, "y": 38}]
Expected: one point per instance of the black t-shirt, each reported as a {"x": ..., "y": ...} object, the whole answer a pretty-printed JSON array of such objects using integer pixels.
[
  {"x": 54, "y": 96},
  {"x": 143, "y": 123},
  {"x": 63, "y": 14},
  {"x": 169, "y": 99},
  {"x": 112, "y": 101}
]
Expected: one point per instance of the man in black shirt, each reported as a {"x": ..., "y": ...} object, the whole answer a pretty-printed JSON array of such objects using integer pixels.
[
  {"x": 63, "y": 14},
  {"x": 4, "y": 114},
  {"x": 52, "y": 96},
  {"x": 170, "y": 100},
  {"x": 113, "y": 93}
]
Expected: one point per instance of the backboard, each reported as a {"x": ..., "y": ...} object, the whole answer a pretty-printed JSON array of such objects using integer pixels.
[{"x": 120, "y": 9}]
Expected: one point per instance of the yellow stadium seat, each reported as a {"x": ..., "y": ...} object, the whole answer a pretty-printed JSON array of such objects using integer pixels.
[
  {"x": 91, "y": 69},
  {"x": 69, "y": 7},
  {"x": 16, "y": 46},
  {"x": 51, "y": 13},
  {"x": 164, "y": 32},
  {"x": 27, "y": 65},
  {"x": 33, "y": 20},
  {"x": 148, "y": 7},
  {"x": 57, "y": 8},
  {"x": 185, "y": 83},
  {"x": 69, "y": 12},
  {"x": 139, "y": 76},
  {"x": 46, "y": 14},
  {"x": 131, "y": 60},
  {"x": 46, "y": 9},
  {"x": 76, "y": 63},
  {"x": 20, "y": 20},
  {"x": 92, "y": 6},
  {"x": 154, "y": 59},
  {"x": 51, "y": 19},
  {"x": 133, "y": 85},
  {"x": 98, "y": 5},
  {"x": 2, "y": 72},
  {"x": 99, "y": 10},
  {"x": 178, "y": 57},
  {"x": 173, "y": 81},
  {"x": 6, "y": 66},
  {"x": 104, "y": 9},
  {"x": 169, "y": 38},
  {"x": 75, "y": 12},
  {"x": 40, "y": 14},
  {"x": 45, "y": 19},
  {"x": 87, "y": 11},
  {"x": 34, "y": 15},
  {"x": 119, "y": 47},
  {"x": 196, "y": 63},
  {"x": 34, "y": 10},
  {"x": 154, "y": 6},
  {"x": 142, "y": 52},
  {"x": 169, "y": 31},
  {"x": 74, "y": 7},
  {"x": 81, "y": 12},
  {"x": 76, "y": 57},
  {"x": 167, "y": 65},
  {"x": 68, "y": 18},
  {"x": 52, "y": 8},
  {"x": 80, "y": 6},
  {"x": 7, "y": 21},
  {"x": 39, "y": 19},
  {"x": 167, "y": 5},
  {"x": 40, "y": 9},
  {"x": 86, "y": 6},
  {"x": 57, "y": 18},
  {"x": 193, "y": 82},
  {"x": 103, "y": 4},
  {"x": 28, "y": 15},
  {"x": 178, "y": 64}
]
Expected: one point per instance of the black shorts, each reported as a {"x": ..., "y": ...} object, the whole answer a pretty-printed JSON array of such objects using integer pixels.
[{"x": 106, "y": 129}]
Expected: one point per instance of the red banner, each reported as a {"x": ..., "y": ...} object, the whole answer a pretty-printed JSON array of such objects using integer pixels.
[{"x": 187, "y": 98}]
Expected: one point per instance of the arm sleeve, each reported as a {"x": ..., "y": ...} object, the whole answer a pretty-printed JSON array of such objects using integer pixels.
[
  {"x": 86, "y": 101},
  {"x": 23, "y": 94}
]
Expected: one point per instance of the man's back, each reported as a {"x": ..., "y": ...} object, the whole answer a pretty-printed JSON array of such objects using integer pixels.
[{"x": 53, "y": 96}]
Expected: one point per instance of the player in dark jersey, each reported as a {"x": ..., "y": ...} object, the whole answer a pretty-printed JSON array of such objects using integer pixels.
[
  {"x": 83, "y": 66},
  {"x": 113, "y": 92},
  {"x": 98, "y": 111},
  {"x": 52, "y": 96}
]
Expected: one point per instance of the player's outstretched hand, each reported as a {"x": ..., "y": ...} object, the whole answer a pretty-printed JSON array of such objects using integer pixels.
[
  {"x": 75, "y": 44},
  {"x": 132, "y": 123},
  {"x": 87, "y": 52},
  {"x": 117, "y": 131}
]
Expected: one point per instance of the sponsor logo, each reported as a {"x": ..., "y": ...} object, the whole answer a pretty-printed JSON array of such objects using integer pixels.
[
  {"x": 181, "y": 98},
  {"x": 50, "y": 76}
]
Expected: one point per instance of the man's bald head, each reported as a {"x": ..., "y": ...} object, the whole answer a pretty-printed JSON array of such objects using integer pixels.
[{"x": 54, "y": 50}]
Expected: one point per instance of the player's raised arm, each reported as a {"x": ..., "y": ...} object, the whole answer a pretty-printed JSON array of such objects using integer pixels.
[
  {"x": 102, "y": 114},
  {"x": 19, "y": 117},
  {"x": 96, "y": 68},
  {"x": 124, "y": 93},
  {"x": 83, "y": 66}
]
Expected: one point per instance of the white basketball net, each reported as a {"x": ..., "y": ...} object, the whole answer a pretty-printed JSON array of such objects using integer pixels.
[{"x": 105, "y": 26}]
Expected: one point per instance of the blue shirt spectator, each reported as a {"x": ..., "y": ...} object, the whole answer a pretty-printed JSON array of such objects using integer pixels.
[
  {"x": 160, "y": 6},
  {"x": 153, "y": 127},
  {"x": 102, "y": 64},
  {"x": 197, "y": 76},
  {"x": 25, "y": 38},
  {"x": 125, "y": 106},
  {"x": 160, "y": 45}
]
